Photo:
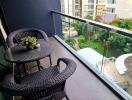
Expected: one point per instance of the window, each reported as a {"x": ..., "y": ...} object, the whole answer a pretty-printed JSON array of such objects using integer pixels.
[
  {"x": 111, "y": 1},
  {"x": 77, "y": 1},
  {"x": 111, "y": 10},
  {"x": 90, "y": 6},
  {"x": 77, "y": 14},
  {"x": 90, "y": 1},
  {"x": 77, "y": 7},
  {"x": 90, "y": 13}
]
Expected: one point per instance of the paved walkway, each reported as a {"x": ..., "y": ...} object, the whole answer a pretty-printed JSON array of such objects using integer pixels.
[{"x": 125, "y": 81}]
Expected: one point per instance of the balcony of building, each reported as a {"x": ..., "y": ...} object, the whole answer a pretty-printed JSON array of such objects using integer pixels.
[{"x": 98, "y": 76}]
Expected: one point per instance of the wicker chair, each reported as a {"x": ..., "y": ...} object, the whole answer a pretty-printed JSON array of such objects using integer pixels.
[
  {"x": 15, "y": 37},
  {"x": 48, "y": 83}
]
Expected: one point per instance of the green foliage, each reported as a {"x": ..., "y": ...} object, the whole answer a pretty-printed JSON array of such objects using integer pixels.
[
  {"x": 122, "y": 23},
  {"x": 115, "y": 41},
  {"x": 116, "y": 22},
  {"x": 94, "y": 38},
  {"x": 71, "y": 42},
  {"x": 83, "y": 29},
  {"x": 81, "y": 39},
  {"x": 83, "y": 45},
  {"x": 89, "y": 17},
  {"x": 92, "y": 44},
  {"x": 80, "y": 27},
  {"x": 29, "y": 42},
  {"x": 121, "y": 42},
  {"x": 102, "y": 34}
]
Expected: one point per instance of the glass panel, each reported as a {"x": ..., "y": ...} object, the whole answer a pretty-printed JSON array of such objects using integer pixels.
[
  {"x": 117, "y": 66},
  {"x": 107, "y": 52}
]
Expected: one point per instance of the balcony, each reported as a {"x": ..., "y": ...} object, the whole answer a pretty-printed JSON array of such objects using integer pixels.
[
  {"x": 83, "y": 85},
  {"x": 101, "y": 80},
  {"x": 109, "y": 65}
]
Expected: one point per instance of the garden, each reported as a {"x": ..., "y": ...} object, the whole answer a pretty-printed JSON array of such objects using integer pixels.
[{"x": 106, "y": 43}]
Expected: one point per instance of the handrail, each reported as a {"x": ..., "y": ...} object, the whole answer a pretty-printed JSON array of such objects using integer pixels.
[{"x": 98, "y": 24}]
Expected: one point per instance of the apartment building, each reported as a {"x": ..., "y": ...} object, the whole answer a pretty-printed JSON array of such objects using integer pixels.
[
  {"x": 106, "y": 10},
  {"x": 122, "y": 10},
  {"x": 100, "y": 8},
  {"x": 79, "y": 8},
  {"x": 89, "y": 8},
  {"x": 111, "y": 6}
]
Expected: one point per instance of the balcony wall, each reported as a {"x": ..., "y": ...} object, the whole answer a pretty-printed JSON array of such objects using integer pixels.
[{"x": 30, "y": 13}]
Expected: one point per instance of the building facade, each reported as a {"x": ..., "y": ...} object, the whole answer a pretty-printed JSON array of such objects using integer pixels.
[
  {"x": 111, "y": 6},
  {"x": 106, "y": 10},
  {"x": 122, "y": 10},
  {"x": 79, "y": 8}
]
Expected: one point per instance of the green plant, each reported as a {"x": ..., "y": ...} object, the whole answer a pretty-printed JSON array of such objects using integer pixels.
[
  {"x": 122, "y": 23},
  {"x": 71, "y": 42},
  {"x": 78, "y": 26},
  {"x": 30, "y": 42},
  {"x": 103, "y": 35},
  {"x": 81, "y": 39}
]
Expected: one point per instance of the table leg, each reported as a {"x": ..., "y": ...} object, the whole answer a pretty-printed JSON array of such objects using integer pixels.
[
  {"x": 38, "y": 64},
  {"x": 50, "y": 59},
  {"x": 25, "y": 71},
  {"x": 17, "y": 65},
  {"x": 13, "y": 68},
  {"x": 18, "y": 76}
]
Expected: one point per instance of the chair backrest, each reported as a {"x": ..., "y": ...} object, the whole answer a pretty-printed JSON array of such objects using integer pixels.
[
  {"x": 3, "y": 34},
  {"x": 16, "y": 36}
]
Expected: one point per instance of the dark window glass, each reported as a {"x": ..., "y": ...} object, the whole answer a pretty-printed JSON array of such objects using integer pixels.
[
  {"x": 77, "y": 1},
  {"x": 90, "y": 1},
  {"x": 111, "y": 1},
  {"x": 111, "y": 10}
]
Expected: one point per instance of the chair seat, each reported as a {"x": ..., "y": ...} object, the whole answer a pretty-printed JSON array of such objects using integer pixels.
[
  {"x": 47, "y": 83},
  {"x": 55, "y": 96},
  {"x": 42, "y": 75}
]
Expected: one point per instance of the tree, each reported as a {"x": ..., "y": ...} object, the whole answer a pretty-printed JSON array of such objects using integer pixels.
[
  {"x": 122, "y": 23},
  {"x": 78, "y": 27},
  {"x": 88, "y": 17},
  {"x": 84, "y": 29},
  {"x": 119, "y": 41},
  {"x": 103, "y": 34}
]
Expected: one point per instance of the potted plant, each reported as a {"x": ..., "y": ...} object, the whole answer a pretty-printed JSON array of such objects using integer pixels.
[{"x": 30, "y": 42}]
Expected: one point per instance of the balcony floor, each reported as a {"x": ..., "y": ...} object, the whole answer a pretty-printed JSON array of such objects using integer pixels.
[{"x": 82, "y": 85}]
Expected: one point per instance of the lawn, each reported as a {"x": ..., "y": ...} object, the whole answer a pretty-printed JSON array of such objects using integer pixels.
[{"x": 98, "y": 46}]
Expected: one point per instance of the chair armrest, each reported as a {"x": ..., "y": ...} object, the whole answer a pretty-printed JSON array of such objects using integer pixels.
[{"x": 43, "y": 34}]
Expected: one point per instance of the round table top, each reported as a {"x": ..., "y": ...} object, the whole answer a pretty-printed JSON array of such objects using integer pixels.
[{"x": 19, "y": 53}]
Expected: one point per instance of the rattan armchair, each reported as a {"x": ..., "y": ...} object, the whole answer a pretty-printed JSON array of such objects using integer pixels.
[
  {"x": 15, "y": 37},
  {"x": 47, "y": 84}
]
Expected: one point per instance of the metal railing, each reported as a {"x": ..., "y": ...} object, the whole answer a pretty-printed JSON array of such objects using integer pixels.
[
  {"x": 98, "y": 24},
  {"x": 70, "y": 39}
]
